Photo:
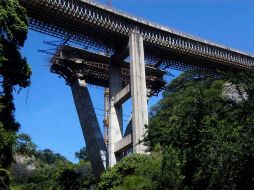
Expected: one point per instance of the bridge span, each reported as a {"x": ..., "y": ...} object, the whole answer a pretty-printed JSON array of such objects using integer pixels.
[
  {"x": 126, "y": 54},
  {"x": 103, "y": 28}
]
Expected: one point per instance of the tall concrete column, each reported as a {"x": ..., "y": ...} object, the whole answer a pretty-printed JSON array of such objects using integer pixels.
[
  {"x": 115, "y": 115},
  {"x": 93, "y": 137},
  {"x": 138, "y": 91}
]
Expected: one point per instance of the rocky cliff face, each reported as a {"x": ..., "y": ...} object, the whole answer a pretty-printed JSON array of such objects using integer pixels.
[
  {"x": 234, "y": 92},
  {"x": 22, "y": 167}
]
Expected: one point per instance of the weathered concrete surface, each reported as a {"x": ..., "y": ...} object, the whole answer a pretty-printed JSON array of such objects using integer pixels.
[
  {"x": 124, "y": 144},
  {"x": 122, "y": 96},
  {"x": 115, "y": 115},
  {"x": 138, "y": 91},
  {"x": 93, "y": 137}
]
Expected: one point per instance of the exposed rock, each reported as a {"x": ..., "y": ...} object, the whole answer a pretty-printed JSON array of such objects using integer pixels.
[{"x": 233, "y": 92}]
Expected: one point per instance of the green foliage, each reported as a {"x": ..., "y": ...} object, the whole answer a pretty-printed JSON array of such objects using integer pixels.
[
  {"x": 170, "y": 176},
  {"x": 4, "y": 179},
  {"x": 148, "y": 172},
  {"x": 134, "y": 182},
  {"x": 51, "y": 171},
  {"x": 24, "y": 145},
  {"x": 114, "y": 176},
  {"x": 212, "y": 132},
  {"x": 76, "y": 177},
  {"x": 40, "y": 179},
  {"x": 60, "y": 176},
  {"x": 82, "y": 154},
  {"x": 13, "y": 21},
  {"x": 47, "y": 156},
  {"x": 14, "y": 71},
  {"x": 6, "y": 138}
]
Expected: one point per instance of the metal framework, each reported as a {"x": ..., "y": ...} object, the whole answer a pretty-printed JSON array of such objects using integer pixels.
[
  {"x": 101, "y": 28},
  {"x": 94, "y": 69}
]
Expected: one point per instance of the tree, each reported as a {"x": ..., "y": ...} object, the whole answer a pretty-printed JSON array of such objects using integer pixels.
[
  {"x": 4, "y": 179},
  {"x": 14, "y": 70},
  {"x": 82, "y": 154},
  {"x": 115, "y": 176},
  {"x": 145, "y": 172},
  {"x": 24, "y": 145},
  {"x": 44, "y": 169},
  {"x": 212, "y": 131},
  {"x": 47, "y": 156}
]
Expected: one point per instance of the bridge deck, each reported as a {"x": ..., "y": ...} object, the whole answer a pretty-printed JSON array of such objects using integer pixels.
[{"x": 104, "y": 29}]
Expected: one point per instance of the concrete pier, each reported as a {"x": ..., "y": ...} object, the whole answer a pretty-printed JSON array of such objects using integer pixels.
[
  {"x": 138, "y": 91},
  {"x": 93, "y": 137},
  {"x": 119, "y": 144},
  {"x": 115, "y": 115},
  {"x": 125, "y": 80}
]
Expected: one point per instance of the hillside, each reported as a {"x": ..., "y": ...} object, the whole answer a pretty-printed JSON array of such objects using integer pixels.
[{"x": 44, "y": 169}]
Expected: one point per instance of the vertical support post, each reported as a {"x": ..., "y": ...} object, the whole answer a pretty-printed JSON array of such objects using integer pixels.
[
  {"x": 115, "y": 115},
  {"x": 138, "y": 91},
  {"x": 93, "y": 137}
]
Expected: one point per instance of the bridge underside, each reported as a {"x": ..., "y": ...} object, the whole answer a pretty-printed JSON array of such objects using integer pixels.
[
  {"x": 95, "y": 69},
  {"x": 102, "y": 29}
]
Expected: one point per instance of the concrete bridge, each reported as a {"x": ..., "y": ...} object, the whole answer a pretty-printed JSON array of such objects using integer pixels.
[{"x": 127, "y": 55}]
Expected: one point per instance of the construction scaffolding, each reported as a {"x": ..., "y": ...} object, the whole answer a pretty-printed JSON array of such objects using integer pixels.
[{"x": 106, "y": 116}]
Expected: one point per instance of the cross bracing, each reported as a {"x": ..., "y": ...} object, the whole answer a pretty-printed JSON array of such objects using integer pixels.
[{"x": 102, "y": 29}]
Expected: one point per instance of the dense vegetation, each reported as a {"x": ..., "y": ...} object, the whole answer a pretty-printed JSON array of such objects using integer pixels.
[
  {"x": 200, "y": 137},
  {"x": 204, "y": 131},
  {"x": 14, "y": 72},
  {"x": 44, "y": 170}
]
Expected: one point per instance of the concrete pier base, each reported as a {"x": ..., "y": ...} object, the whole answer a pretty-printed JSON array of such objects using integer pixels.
[{"x": 93, "y": 137}]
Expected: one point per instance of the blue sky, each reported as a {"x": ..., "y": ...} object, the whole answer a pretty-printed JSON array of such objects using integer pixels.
[{"x": 46, "y": 110}]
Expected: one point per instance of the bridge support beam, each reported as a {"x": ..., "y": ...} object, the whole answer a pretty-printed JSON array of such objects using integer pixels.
[
  {"x": 116, "y": 113},
  {"x": 120, "y": 145},
  {"x": 93, "y": 137},
  {"x": 138, "y": 91}
]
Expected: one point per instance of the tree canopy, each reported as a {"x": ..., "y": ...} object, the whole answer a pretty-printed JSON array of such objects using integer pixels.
[
  {"x": 43, "y": 169},
  {"x": 211, "y": 127},
  {"x": 82, "y": 154},
  {"x": 14, "y": 70},
  {"x": 204, "y": 129}
]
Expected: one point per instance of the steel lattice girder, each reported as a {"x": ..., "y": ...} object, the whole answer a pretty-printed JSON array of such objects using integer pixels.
[
  {"x": 103, "y": 29},
  {"x": 94, "y": 69}
]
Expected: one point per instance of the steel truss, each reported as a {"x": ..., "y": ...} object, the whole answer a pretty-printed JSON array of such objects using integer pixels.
[{"x": 102, "y": 29}]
